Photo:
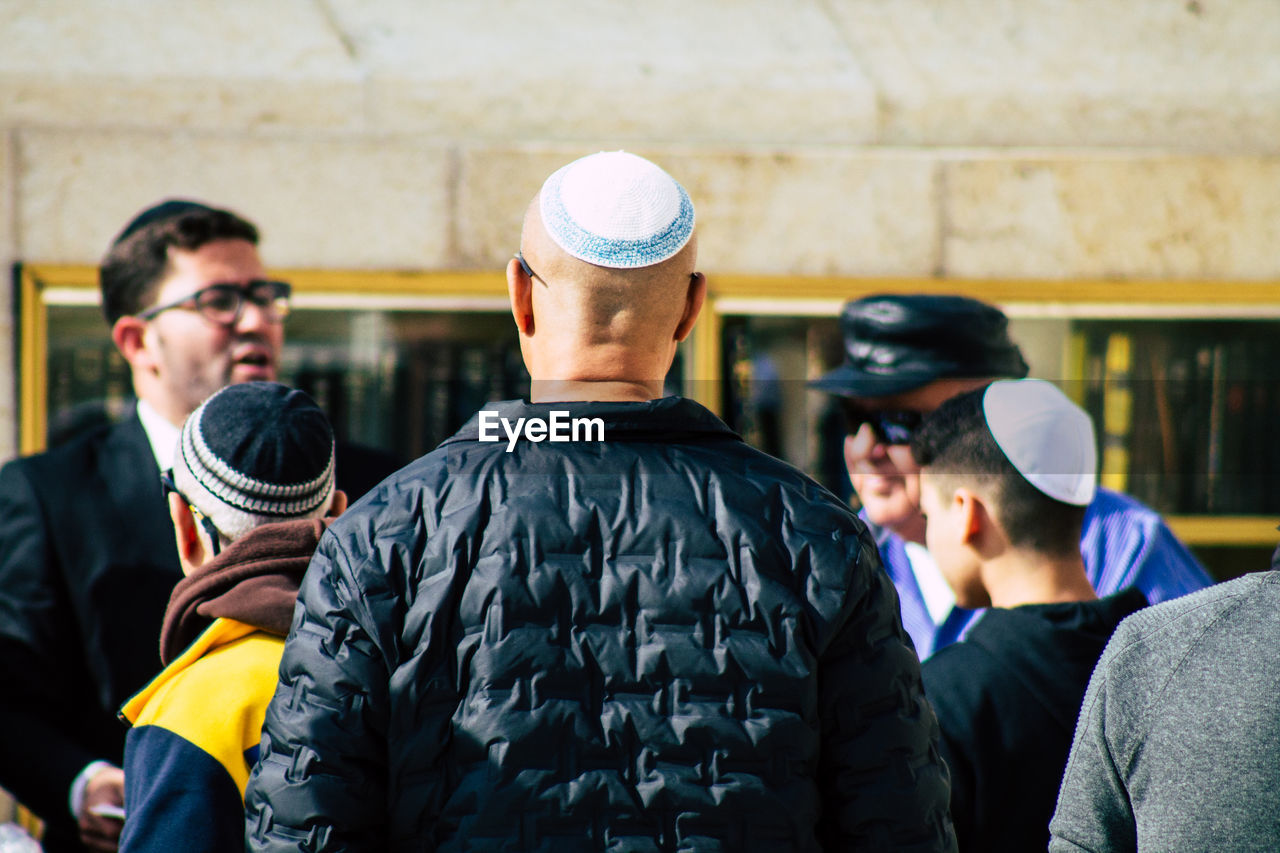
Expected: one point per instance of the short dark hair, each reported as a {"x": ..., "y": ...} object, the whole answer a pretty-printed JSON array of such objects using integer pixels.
[
  {"x": 956, "y": 439},
  {"x": 138, "y": 259}
]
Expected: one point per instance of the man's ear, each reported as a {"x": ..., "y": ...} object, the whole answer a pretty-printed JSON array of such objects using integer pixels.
[
  {"x": 693, "y": 300},
  {"x": 129, "y": 335},
  {"x": 520, "y": 290},
  {"x": 337, "y": 504},
  {"x": 972, "y": 515},
  {"x": 850, "y": 458},
  {"x": 191, "y": 550}
]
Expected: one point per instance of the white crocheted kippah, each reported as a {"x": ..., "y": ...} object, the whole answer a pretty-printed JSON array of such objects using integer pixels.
[
  {"x": 1048, "y": 438},
  {"x": 614, "y": 209}
]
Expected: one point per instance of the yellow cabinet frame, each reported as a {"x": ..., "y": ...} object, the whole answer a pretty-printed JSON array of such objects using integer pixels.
[{"x": 728, "y": 295}]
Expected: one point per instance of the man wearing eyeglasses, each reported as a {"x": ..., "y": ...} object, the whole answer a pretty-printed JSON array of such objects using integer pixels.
[
  {"x": 904, "y": 356},
  {"x": 87, "y": 556}
]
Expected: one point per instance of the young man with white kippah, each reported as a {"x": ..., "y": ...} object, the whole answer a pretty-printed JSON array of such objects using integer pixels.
[
  {"x": 250, "y": 493},
  {"x": 597, "y": 619},
  {"x": 905, "y": 353},
  {"x": 1008, "y": 471}
]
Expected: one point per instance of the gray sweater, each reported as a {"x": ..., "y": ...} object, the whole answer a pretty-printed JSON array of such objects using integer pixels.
[{"x": 1178, "y": 743}]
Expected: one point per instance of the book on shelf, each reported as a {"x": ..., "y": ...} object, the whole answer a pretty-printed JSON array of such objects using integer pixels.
[
  {"x": 1184, "y": 412},
  {"x": 1117, "y": 411},
  {"x": 1233, "y": 493},
  {"x": 472, "y": 383},
  {"x": 434, "y": 398},
  {"x": 1177, "y": 400},
  {"x": 1151, "y": 435}
]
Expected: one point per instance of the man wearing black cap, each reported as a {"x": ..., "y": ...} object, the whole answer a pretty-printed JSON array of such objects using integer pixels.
[
  {"x": 251, "y": 492},
  {"x": 191, "y": 310},
  {"x": 904, "y": 356}
]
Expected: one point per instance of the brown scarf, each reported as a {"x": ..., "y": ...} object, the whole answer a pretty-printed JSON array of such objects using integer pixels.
[{"x": 255, "y": 581}]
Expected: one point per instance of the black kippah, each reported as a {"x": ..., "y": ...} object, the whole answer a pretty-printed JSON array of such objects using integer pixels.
[
  {"x": 168, "y": 209},
  {"x": 256, "y": 452}
]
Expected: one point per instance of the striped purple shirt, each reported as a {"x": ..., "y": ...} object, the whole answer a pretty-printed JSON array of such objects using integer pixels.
[{"x": 1124, "y": 543}]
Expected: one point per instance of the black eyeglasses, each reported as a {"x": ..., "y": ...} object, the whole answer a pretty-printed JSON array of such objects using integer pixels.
[
  {"x": 889, "y": 427},
  {"x": 223, "y": 304},
  {"x": 166, "y": 480},
  {"x": 528, "y": 270}
]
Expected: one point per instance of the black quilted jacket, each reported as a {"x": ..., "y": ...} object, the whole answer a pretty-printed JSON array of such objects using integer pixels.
[{"x": 663, "y": 641}]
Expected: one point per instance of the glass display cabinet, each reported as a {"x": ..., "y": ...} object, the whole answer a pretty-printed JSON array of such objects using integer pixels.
[
  {"x": 398, "y": 361},
  {"x": 1181, "y": 378}
]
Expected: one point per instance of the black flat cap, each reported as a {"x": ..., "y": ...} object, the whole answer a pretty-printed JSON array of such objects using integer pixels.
[{"x": 899, "y": 342}]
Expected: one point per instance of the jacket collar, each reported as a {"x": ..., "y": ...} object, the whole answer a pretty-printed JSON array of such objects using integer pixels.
[
  {"x": 664, "y": 419},
  {"x": 254, "y": 581},
  {"x": 220, "y": 632}
]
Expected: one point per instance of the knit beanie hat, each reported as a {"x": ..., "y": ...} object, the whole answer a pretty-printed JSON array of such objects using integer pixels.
[{"x": 254, "y": 453}]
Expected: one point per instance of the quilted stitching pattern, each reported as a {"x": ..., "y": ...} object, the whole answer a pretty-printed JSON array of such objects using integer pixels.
[{"x": 623, "y": 646}]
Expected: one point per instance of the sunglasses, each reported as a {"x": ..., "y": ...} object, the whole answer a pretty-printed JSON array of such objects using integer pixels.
[
  {"x": 215, "y": 538},
  {"x": 889, "y": 427},
  {"x": 223, "y": 304}
]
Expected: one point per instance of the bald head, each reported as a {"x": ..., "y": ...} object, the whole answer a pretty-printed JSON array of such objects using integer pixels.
[
  {"x": 601, "y": 307},
  {"x": 603, "y": 303}
]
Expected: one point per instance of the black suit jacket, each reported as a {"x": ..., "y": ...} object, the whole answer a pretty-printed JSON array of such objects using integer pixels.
[{"x": 87, "y": 564}]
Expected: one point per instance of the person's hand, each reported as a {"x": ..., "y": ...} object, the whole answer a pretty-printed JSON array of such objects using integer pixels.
[{"x": 104, "y": 793}]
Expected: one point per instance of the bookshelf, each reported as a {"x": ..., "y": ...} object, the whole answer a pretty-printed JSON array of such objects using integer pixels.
[
  {"x": 400, "y": 359},
  {"x": 1182, "y": 379}
]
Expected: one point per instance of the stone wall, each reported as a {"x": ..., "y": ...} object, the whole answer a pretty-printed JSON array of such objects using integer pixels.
[{"x": 1028, "y": 139}]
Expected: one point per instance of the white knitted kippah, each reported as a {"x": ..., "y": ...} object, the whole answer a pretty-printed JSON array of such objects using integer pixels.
[
  {"x": 1046, "y": 437},
  {"x": 614, "y": 209}
]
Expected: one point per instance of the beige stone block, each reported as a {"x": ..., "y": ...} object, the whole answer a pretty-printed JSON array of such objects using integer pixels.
[
  {"x": 205, "y": 64},
  {"x": 572, "y": 70},
  {"x": 8, "y": 191},
  {"x": 1113, "y": 216},
  {"x": 1192, "y": 75},
  {"x": 815, "y": 212},
  {"x": 362, "y": 203},
  {"x": 495, "y": 186},
  {"x": 807, "y": 212}
]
